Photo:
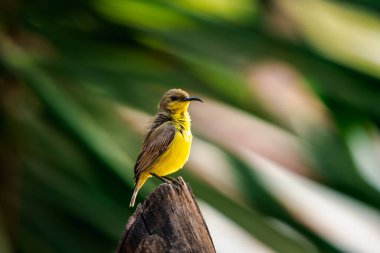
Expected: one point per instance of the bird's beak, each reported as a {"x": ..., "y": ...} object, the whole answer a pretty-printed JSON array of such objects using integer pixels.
[{"x": 192, "y": 99}]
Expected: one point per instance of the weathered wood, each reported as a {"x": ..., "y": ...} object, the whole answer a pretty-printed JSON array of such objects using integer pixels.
[{"x": 169, "y": 220}]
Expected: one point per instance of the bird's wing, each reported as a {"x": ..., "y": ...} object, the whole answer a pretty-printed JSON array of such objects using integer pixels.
[{"x": 154, "y": 145}]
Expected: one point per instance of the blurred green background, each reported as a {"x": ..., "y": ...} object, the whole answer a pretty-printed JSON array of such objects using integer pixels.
[{"x": 286, "y": 154}]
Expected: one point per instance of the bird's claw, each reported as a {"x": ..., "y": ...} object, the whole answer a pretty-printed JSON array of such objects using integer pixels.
[
  {"x": 175, "y": 184},
  {"x": 172, "y": 180},
  {"x": 168, "y": 180}
]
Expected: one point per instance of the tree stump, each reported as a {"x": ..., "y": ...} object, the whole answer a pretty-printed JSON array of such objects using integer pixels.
[{"x": 169, "y": 220}]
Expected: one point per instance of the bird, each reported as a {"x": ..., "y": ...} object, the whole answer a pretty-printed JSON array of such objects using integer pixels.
[{"x": 167, "y": 142}]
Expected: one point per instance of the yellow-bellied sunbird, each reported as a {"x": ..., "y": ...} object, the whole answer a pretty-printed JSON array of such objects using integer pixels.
[{"x": 166, "y": 145}]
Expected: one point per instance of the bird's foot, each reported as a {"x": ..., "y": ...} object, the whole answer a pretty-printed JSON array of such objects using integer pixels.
[
  {"x": 172, "y": 180},
  {"x": 167, "y": 179},
  {"x": 163, "y": 179}
]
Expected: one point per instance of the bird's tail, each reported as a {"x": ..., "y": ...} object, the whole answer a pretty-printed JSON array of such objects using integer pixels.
[
  {"x": 138, "y": 183},
  {"x": 133, "y": 199}
]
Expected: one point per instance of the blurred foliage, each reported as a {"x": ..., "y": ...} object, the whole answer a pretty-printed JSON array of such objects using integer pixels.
[{"x": 66, "y": 156}]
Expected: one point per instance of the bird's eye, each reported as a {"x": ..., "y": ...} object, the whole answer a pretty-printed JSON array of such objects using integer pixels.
[{"x": 174, "y": 98}]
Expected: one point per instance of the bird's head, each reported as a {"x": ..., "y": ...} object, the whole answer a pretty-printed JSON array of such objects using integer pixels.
[{"x": 176, "y": 100}]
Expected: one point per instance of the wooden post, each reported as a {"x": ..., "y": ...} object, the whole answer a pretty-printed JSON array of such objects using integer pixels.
[{"x": 169, "y": 220}]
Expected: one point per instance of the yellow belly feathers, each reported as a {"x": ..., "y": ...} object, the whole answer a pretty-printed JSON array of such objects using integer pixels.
[{"x": 175, "y": 156}]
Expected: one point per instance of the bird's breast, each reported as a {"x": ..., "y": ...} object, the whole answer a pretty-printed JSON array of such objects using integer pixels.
[{"x": 176, "y": 154}]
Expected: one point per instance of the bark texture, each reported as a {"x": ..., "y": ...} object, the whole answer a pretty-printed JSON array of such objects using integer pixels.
[{"x": 169, "y": 220}]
